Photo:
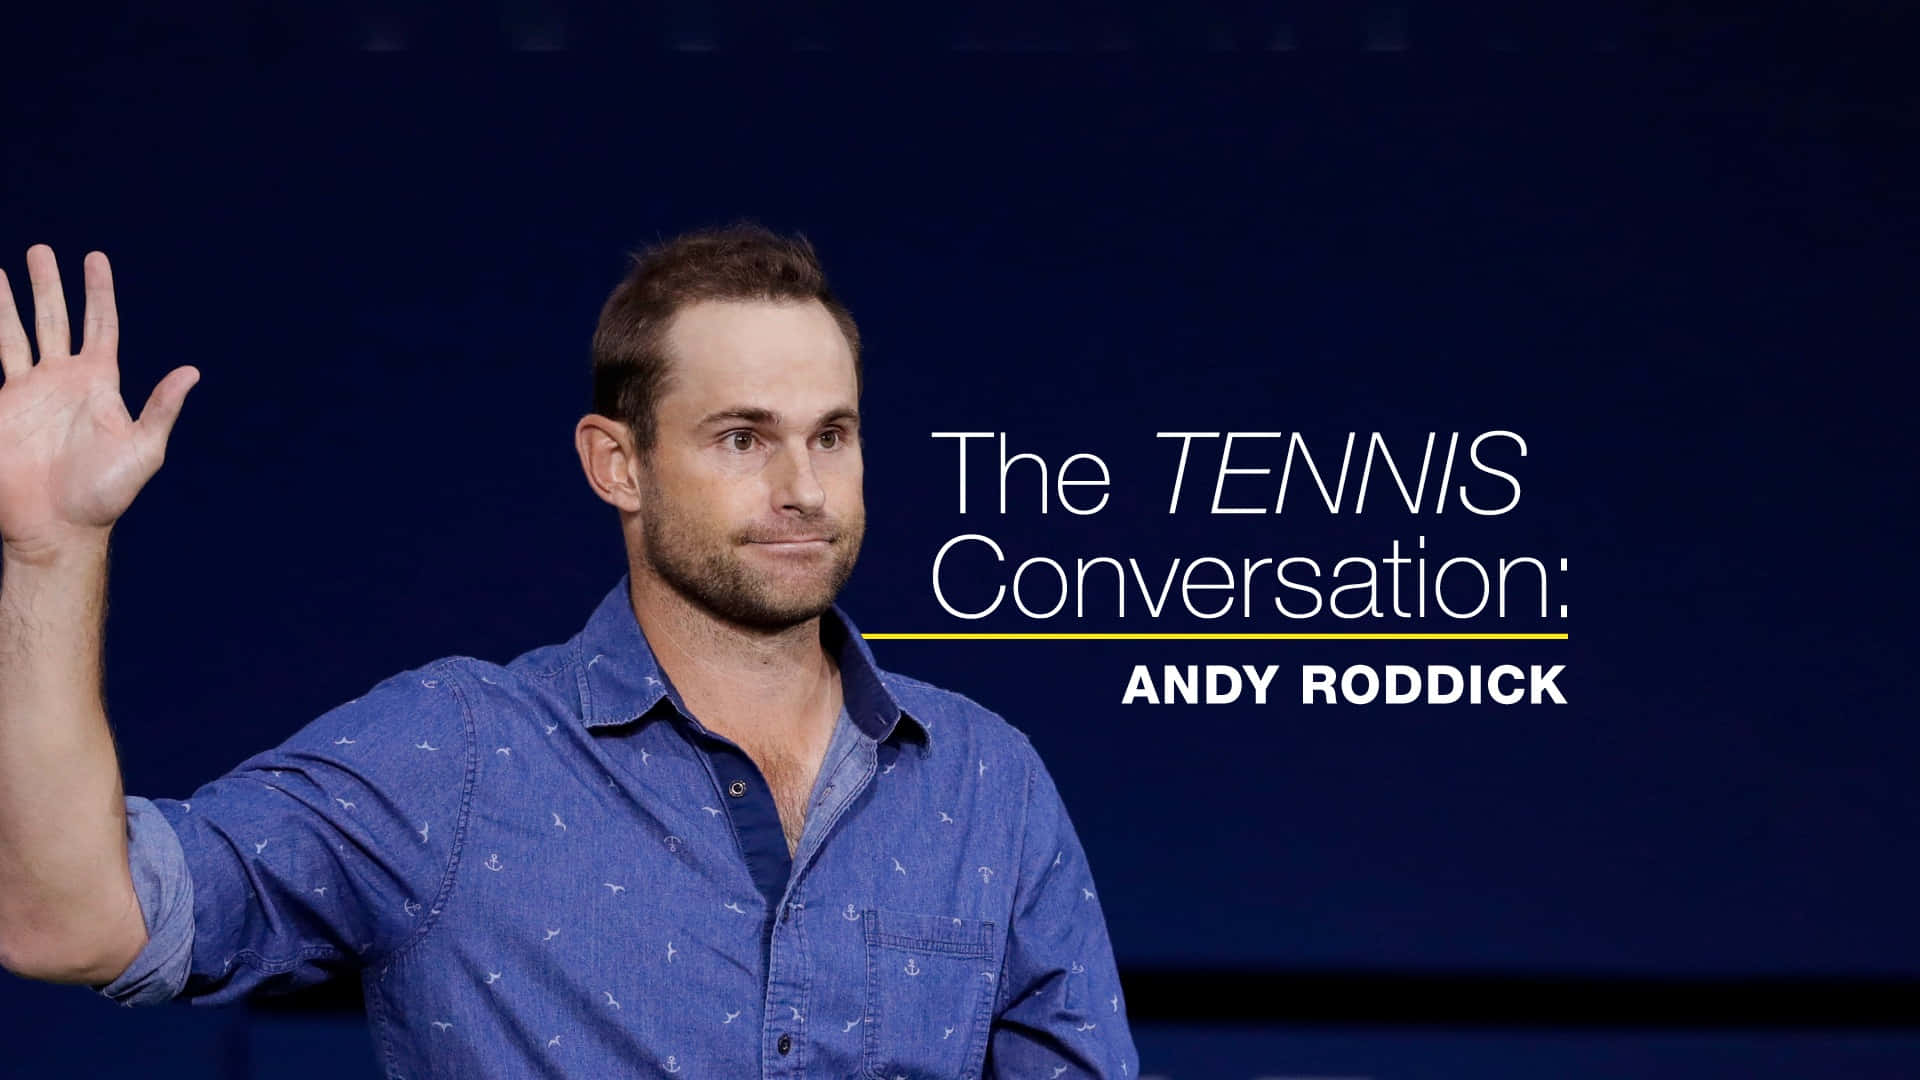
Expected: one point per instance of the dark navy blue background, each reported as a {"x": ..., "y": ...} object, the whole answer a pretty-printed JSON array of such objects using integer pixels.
[{"x": 1675, "y": 254}]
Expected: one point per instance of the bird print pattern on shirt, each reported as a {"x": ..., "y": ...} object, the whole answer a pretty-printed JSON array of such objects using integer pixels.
[{"x": 580, "y": 806}]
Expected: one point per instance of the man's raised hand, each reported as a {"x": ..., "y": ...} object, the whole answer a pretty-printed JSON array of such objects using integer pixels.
[{"x": 71, "y": 456}]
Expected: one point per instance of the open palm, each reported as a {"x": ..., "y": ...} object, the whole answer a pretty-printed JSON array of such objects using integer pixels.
[{"x": 71, "y": 457}]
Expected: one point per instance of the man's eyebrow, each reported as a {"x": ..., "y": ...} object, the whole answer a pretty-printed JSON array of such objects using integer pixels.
[
  {"x": 748, "y": 413},
  {"x": 753, "y": 414}
]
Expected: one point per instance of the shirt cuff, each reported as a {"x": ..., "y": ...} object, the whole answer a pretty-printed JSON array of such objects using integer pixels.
[{"x": 165, "y": 888}]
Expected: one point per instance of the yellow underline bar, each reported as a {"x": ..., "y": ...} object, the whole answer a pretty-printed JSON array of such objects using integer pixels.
[{"x": 1212, "y": 637}]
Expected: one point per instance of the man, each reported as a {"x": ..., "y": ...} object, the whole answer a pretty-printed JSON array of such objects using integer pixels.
[{"x": 706, "y": 837}]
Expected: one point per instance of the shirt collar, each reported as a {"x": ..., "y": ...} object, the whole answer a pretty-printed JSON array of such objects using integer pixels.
[{"x": 622, "y": 682}]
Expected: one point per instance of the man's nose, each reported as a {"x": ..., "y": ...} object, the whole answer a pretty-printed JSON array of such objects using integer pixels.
[{"x": 798, "y": 487}]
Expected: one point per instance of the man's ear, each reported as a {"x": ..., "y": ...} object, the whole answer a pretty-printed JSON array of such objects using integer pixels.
[{"x": 605, "y": 446}]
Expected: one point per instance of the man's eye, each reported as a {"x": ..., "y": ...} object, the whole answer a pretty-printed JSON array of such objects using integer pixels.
[
  {"x": 733, "y": 440},
  {"x": 832, "y": 438}
]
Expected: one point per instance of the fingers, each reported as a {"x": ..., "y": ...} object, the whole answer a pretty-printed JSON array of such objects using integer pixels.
[
  {"x": 163, "y": 407},
  {"x": 49, "y": 304},
  {"x": 101, "y": 331},
  {"x": 16, "y": 355}
]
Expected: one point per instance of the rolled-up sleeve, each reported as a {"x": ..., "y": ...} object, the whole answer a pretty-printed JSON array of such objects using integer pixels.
[
  {"x": 165, "y": 888},
  {"x": 1059, "y": 1011},
  {"x": 320, "y": 856}
]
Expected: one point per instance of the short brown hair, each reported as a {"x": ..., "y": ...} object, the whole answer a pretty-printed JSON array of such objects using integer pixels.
[{"x": 742, "y": 261}]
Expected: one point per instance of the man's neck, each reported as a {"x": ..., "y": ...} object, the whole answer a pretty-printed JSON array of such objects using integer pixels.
[{"x": 781, "y": 685}]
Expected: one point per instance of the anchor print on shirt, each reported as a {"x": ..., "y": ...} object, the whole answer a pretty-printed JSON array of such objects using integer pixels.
[
  {"x": 986, "y": 875},
  {"x": 493, "y": 862},
  {"x": 850, "y": 914},
  {"x": 672, "y": 1065},
  {"x": 411, "y": 907}
]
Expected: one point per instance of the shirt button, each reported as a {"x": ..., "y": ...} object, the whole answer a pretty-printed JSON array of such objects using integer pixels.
[
  {"x": 737, "y": 788},
  {"x": 786, "y": 1043}
]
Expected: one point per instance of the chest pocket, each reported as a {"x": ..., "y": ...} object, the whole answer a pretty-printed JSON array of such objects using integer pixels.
[{"x": 930, "y": 990}]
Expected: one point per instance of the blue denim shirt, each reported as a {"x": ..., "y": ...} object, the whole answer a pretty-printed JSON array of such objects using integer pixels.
[{"x": 550, "y": 868}]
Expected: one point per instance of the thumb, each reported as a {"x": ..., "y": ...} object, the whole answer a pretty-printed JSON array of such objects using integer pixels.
[{"x": 163, "y": 405}]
